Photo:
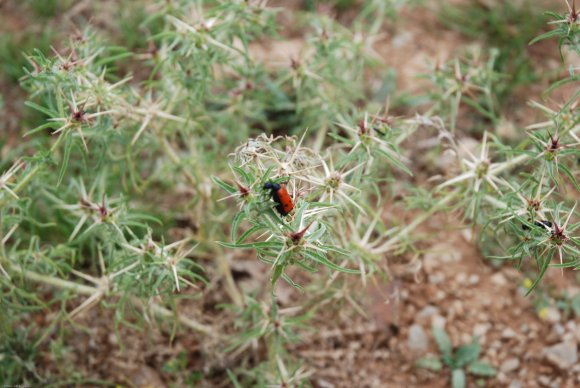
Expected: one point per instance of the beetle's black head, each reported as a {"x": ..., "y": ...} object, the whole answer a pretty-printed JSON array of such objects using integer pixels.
[{"x": 272, "y": 186}]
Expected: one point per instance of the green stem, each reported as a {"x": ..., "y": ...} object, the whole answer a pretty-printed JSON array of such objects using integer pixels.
[
  {"x": 495, "y": 202},
  {"x": 56, "y": 282},
  {"x": 27, "y": 178},
  {"x": 20, "y": 186},
  {"x": 510, "y": 163},
  {"x": 90, "y": 291}
]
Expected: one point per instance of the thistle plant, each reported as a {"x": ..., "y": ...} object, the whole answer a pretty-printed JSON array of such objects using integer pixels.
[
  {"x": 567, "y": 28},
  {"x": 470, "y": 82},
  {"x": 499, "y": 25},
  {"x": 305, "y": 239},
  {"x": 523, "y": 195}
]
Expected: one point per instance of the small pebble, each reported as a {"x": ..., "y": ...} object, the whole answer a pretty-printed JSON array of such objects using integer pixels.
[
  {"x": 563, "y": 355},
  {"x": 473, "y": 280},
  {"x": 558, "y": 329},
  {"x": 436, "y": 278},
  {"x": 552, "y": 315},
  {"x": 509, "y": 365},
  {"x": 438, "y": 321},
  {"x": 499, "y": 279},
  {"x": 544, "y": 380},
  {"x": 461, "y": 278},
  {"x": 467, "y": 234},
  {"x": 440, "y": 254},
  {"x": 568, "y": 337},
  {"x": 508, "y": 333},
  {"x": 524, "y": 328},
  {"x": 481, "y": 329},
  {"x": 465, "y": 338},
  {"x": 458, "y": 308},
  {"x": 417, "y": 340},
  {"x": 501, "y": 377},
  {"x": 427, "y": 312},
  {"x": 483, "y": 317},
  {"x": 516, "y": 384}
]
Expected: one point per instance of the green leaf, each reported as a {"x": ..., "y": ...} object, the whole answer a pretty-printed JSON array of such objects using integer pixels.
[
  {"x": 431, "y": 363},
  {"x": 136, "y": 217},
  {"x": 547, "y": 35},
  {"x": 443, "y": 342},
  {"x": 458, "y": 378},
  {"x": 234, "y": 379},
  {"x": 315, "y": 256},
  {"x": 246, "y": 177},
  {"x": 305, "y": 266},
  {"x": 576, "y": 305},
  {"x": 331, "y": 248},
  {"x": 291, "y": 282},
  {"x": 65, "y": 159},
  {"x": 156, "y": 69},
  {"x": 229, "y": 188},
  {"x": 113, "y": 58},
  {"x": 559, "y": 83},
  {"x": 480, "y": 368},
  {"x": 266, "y": 174},
  {"x": 395, "y": 162},
  {"x": 255, "y": 245},
  {"x": 477, "y": 106},
  {"x": 467, "y": 354},
  {"x": 39, "y": 108},
  {"x": 278, "y": 271},
  {"x": 547, "y": 259},
  {"x": 554, "y": 15},
  {"x": 248, "y": 233},
  {"x": 50, "y": 124},
  {"x": 570, "y": 176},
  {"x": 235, "y": 223}
]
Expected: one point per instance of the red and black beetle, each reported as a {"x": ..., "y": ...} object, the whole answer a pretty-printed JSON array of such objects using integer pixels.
[{"x": 281, "y": 197}]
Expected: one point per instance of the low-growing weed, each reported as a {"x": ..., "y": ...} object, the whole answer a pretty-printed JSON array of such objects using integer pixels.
[{"x": 462, "y": 360}]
